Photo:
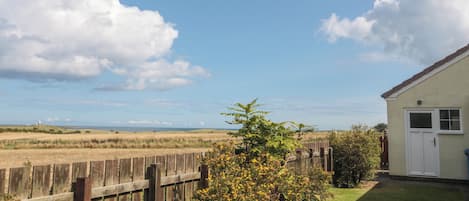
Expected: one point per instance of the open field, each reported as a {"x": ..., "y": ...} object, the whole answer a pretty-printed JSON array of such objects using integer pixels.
[
  {"x": 17, "y": 158},
  {"x": 105, "y": 139},
  {"x": 19, "y": 146}
]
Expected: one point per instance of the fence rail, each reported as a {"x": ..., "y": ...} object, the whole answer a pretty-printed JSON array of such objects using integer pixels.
[{"x": 170, "y": 177}]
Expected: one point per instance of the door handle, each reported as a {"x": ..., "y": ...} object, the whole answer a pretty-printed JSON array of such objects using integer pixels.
[{"x": 434, "y": 141}]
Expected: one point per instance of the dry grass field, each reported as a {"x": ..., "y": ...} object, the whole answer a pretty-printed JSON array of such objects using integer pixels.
[
  {"x": 101, "y": 139},
  {"x": 19, "y": 157},
  {"x": 17, "y": 148}
]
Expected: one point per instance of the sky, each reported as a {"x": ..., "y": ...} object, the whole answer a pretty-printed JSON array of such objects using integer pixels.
[{"x": 173, "y": 63}]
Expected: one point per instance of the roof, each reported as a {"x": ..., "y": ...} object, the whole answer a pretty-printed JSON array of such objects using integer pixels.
[{"x": 425, "y": 71}]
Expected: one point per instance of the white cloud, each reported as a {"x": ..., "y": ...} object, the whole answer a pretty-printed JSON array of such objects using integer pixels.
[
  {"x": 422, "y": 31},
  {"x": 160, "y": 75},
  {"x": 70, "y": 40},
  {"x": 358, "y": 28}
]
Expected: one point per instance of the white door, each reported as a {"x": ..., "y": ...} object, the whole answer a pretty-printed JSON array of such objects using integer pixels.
[{"x": 422, "y": 144}]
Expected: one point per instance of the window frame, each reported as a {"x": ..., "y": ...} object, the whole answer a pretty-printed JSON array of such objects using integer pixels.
[{"x": 438, "y": 120}]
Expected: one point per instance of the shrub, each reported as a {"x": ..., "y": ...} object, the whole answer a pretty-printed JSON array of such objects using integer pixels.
[
  {"x": 255, "y": 168},
  {"x": 356, "y": 155},
  {"x": 260, "y": 135},
  {"x": 381, "y": 127},
  {"x": 236, "y": 177}
]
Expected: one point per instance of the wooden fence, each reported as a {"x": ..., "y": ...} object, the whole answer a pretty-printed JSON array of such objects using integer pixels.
[
  {"x": 124, "y": 179},
  {"x": 384, "y": 152},
  {"x": 170, "y": 177}
]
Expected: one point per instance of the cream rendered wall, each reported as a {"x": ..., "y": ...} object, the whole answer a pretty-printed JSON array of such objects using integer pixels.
[{"x": 448, "y": 88}]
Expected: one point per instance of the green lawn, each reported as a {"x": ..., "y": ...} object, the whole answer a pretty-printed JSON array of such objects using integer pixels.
[{"x": 392, "y": 190}]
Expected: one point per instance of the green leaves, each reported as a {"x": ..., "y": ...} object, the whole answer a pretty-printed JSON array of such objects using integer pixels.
[
  {"x": 260, "y": 134},
  {"x": 356, "y": 155},
  {"x": 255, "y": 169}
]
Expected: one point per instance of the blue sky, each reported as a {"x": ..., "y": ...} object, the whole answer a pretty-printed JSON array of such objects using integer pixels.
[{"x": 322, "y": 63}]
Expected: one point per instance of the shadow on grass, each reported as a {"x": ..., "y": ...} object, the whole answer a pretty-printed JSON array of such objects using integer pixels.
[{"x": 397, "y": 190}]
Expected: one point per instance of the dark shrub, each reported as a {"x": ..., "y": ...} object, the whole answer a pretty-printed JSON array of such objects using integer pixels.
[{"x": 356, "y": 155}]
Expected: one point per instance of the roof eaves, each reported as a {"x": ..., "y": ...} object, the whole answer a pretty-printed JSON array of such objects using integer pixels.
[{"x": 425, "y": 71}]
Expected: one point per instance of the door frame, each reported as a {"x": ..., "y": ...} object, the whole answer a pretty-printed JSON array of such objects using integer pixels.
[{"x": 434, "y": 129}]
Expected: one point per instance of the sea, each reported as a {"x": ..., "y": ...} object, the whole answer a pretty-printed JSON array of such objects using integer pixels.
[{"x": 140, "y": 129}]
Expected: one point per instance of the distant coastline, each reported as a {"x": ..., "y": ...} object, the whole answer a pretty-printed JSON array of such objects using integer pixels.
[{"x": 140, "y": 129}]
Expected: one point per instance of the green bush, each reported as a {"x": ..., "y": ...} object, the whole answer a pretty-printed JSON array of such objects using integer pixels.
[
  {"x": 255, "y": 169},
  {"x": 243, "y": 178},
  {"x": 356, "y": 156},
  {"x": 261, "y": 135}
]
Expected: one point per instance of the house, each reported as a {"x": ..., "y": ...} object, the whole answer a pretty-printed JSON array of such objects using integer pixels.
[{"x": 428, "y": 121}]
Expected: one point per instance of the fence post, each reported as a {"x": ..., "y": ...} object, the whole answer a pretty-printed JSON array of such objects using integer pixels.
[
  {"x": 326, "y": 157},
  {"x": 203, "y": 176},
  {"x": 322, "y": 156},
  {"x": 154, "y": 177},
  {"x": 331, "y": 159},
  {"x": 82, "y": 189}
]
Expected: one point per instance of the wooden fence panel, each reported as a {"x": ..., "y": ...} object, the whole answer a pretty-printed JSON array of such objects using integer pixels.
[
  {"x": 180, "y": 169},
  {"x": 78, "y": 170},
  {"x": 41, "y": 181},
  {"x": 20, "y": 182},
  {"x": 149, "y": 160},
  {"x": 384, "y": 152},
  {"x": 322, "y": 157},
  {"x": 111, "y": 175},
  {"x": 189, "y": 168},
  {"x": 3, "y": 180},
  {"x": 61, "y": 179},
  {"x": 97, "y": 173},
  {"x": 125, "y": 176},
  {"x": 197, "y": 162},
  {"x": 170, "y": 170},
  {"x": 138, "y": 173},
  {"x": 162, "y": 160}
]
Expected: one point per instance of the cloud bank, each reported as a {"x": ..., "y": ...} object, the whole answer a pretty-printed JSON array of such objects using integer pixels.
[
  {"x": 422, "y": 31},
  {"x": 74, "y": 40}
]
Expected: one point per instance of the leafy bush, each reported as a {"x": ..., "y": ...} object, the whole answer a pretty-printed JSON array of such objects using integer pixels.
[
  {"x": 255, "y": 168},
  {"x": 381, "y": 127},
  {"x": 236, "y": 177},
  {"x": 260, "y": 135},
  {"x": 356, "y": 155}
]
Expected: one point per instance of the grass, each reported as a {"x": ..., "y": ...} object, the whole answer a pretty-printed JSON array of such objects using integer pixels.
[
  {"x": 107, "y": 143},
  {"x": 38, "y": 129},
  {"x": 45, "y": 148},
  {"x": 393, "y": 190},
  {"x": 101, "y": 139},
  {"x": 348, "y": 194}
]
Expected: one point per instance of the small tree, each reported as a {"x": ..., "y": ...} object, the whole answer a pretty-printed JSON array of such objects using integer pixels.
[
  {"x": 258, "y": 171},
  {"x": 381, "y": 127},
  {"x": 259, "y": 134},
  {"x": 356, "y": 155}
]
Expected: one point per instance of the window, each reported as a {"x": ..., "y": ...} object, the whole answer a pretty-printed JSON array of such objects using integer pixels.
[
  {"x": 450, "y": 119},
  {"x": 420, "y": 120}
]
